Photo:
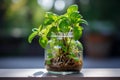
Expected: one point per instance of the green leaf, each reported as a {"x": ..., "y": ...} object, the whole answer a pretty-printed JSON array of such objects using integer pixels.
[
  {"x": 79, "y": 45},
  {"x": 50, "y": 55},
  {"x": 50, "y": 15},
  {"x": 48, "y": 62},
  {"x": 52, "y": 30},
  {"x": 49, "y": 18},
  {"x": 34, "y": 29},
  {"x": 30, "y": 38},
  {"x": 46, "y": 30},
  {"x": 76, "y": 59},
  {"x": 77, "y": 32},
  {"x": 43, "y": 41},
  {"x": 75, "y": 17},
  {"x": 64, "y": 25},
  {"x": 48, "y": 21},
  {"x": 72, "y": 8},
  {"x": 83, "y": 21},
  {"x": 73, "y": 56},
  {"x": 64, "y": 48},
  {"x": 40, "y": 27}
]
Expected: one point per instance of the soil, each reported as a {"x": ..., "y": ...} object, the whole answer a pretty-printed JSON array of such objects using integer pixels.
[{"x": 63, "y": 63}]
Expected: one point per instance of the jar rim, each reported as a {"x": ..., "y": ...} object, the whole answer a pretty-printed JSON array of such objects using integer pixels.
[{"x": 61, "y": 34}]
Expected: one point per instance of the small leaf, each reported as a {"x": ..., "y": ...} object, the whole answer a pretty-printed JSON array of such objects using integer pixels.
[
  {"x": 79, "y": 45},
  {"x": 34, "y": 29},
  {"x": 50, "y": 15},
  {"x": 64, "y": 25},
  {"x": 46, "y": 30},
  {"x": 43, "y": 41},
  {"x": 48, "y": 21},
  {"x": 64, "y": 48},
  {"x": 75, "y": 17},
  {"x": 50, "y": 55},
  {"x": 52, "y": 30},
  {"x": 83, "y": 21},
  {"x": 30, "y": 38},
  {"x": 48, "y": 62},
  {"x": 40, "y": 27},
  {"x": 76, "y": 59},
  {"x": 49, "y": 18},
  {"x": 77, "y": 32},
  {"x": 73, "y": 56},
  {"x": 72, "y": 8}
]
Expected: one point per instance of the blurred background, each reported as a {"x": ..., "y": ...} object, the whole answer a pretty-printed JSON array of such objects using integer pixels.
[{"x": 101, "y": 38}]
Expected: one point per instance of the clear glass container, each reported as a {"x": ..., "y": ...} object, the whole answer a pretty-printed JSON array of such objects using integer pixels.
[{"x": 63, "y": 55}]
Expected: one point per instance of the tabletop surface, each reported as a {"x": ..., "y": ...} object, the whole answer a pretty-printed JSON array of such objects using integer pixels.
[{"x": 96, "y": 72}]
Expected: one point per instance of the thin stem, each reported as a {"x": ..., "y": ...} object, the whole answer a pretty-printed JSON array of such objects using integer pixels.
[{"x": 69, "y": 44}]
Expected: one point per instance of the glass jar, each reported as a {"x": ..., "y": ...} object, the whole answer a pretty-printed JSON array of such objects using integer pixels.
[{"x": 63, "y": 54}]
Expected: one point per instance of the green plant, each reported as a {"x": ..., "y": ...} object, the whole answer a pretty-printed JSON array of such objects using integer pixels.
[
  {"x": 63, "y": 50},
  {"x": 53, "y": 23}
]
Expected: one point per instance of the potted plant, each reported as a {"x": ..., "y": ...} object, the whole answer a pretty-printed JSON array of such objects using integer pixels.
[{"x": 59, "y": 35}]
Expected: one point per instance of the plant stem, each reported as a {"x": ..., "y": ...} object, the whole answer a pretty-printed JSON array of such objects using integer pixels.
[{"x": 69, "y": 44}]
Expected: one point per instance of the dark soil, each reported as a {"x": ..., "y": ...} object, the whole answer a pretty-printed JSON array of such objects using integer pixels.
[{"x": 63, "y": 63}]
